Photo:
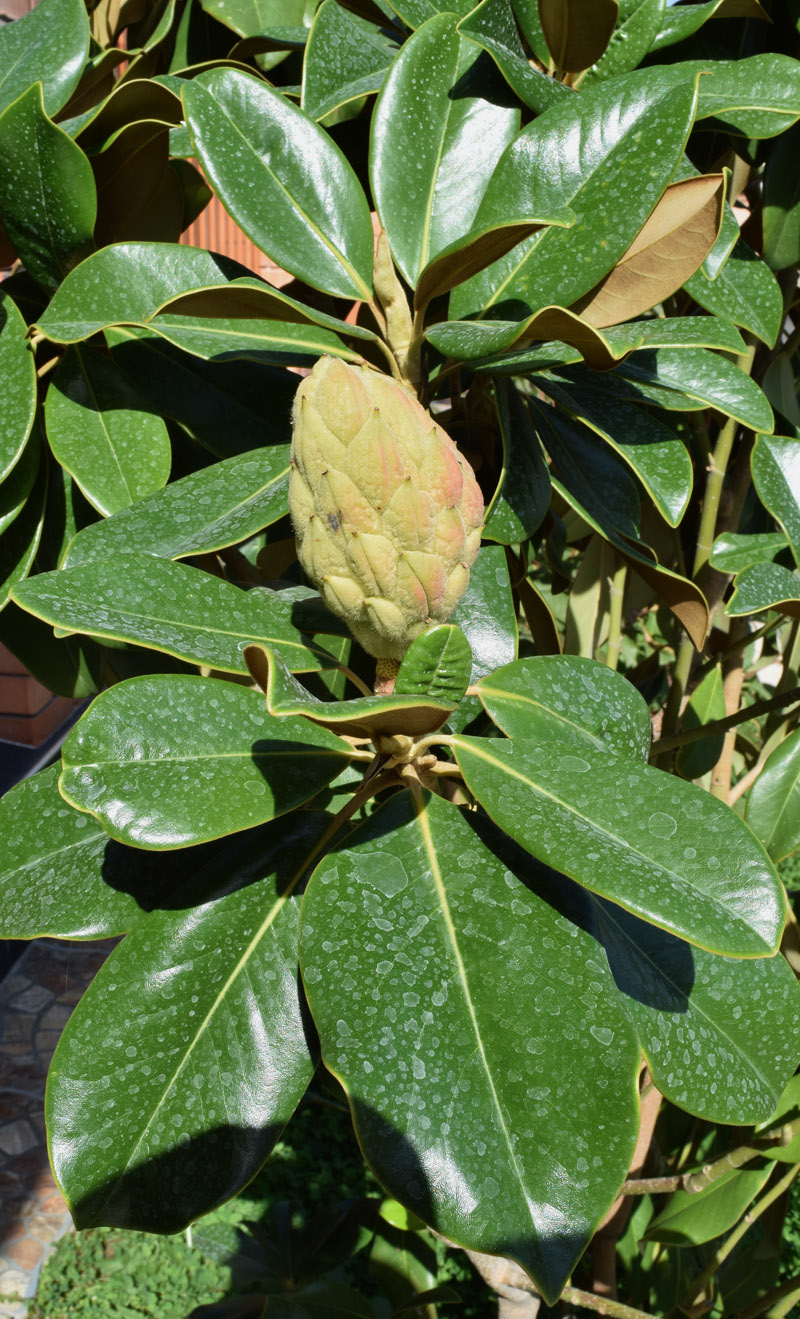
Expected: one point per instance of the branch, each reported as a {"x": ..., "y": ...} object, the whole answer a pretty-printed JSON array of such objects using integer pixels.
[
  {"x": 711, "y": 1172},
  {"x": 731, "y": 721},
  {"x": 789, "y": 1288},
  {"x": 603, "y": 1304}
]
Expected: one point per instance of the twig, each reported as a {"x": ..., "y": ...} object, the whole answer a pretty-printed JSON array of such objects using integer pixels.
[
  {"x": 730, "y": 721},
  {"x": 711, "y": 1172},
  {"x": 603, "y": 1304}
]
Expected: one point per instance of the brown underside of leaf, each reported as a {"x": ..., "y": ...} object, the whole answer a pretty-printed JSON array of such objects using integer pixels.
[
  {"x": 577, "y": 31},
  {"x": 673, "y": 244}
]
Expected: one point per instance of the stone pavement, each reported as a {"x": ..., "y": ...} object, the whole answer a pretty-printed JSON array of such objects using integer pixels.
[{"x": 36, "y": 1000}]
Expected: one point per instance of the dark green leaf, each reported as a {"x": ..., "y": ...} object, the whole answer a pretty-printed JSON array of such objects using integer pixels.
[
  {"x": 745, "y": 291},
  {"x": 706, "y": 703},
  {"x": 607, "y": 173},
  {"x": 765, "y": 586},
  {"x": 682, "y": 21},
  {"x": 438, "y": 665},
  {"x": 568, "y": 699},
  {"x": 690, "y": 1218},
  {"x": 366, "y": 716},
  {"x": 47, "y": 193},
  {"x": 250, "y": 18},
  {"x": 62, "y": 876},
  {"x": 773, "y": 804},
  {"x": 69, "y": 666},
  {"x": 416, "y": 942},
  {"x": 647, "y": 445},
  {"x": 273, "y": 343},
  {"x": 782, "y": 203},
  {"x": 492, "y": 27},
  {"x": 126, "y": 284},
  {"x": 786, "y": 1110},
  {"x": 19, "y": 543},
  {"x": 283, "y": 180},
  {"x": 776, "y": 472},
  {"x": 699, "y": 375},
  {"x": 220, "y": 404},
  {"x": 18, "y": 373},
  {"x": 169, "y": 607},
  {"x": 16, "y": 487},
  {"x": 98, "y": 430},
  {"x": 659, "y": 847},
  {"x": 205, "y": 511},
  {"x": 431, "y": 159},
  {"x": 733, "y": 552},
  {"x": 169, "y": 761},
  {"x": 522, "y": 497},
  {"x": 631, "y": 41},
  {"x": 717, "y": 1033},
  {"x": 196, "y": 1023},
  {"x": 476, "y": 250},
  {"x": 486, "y": 613},
  {"x": 48, "y": 45},
  {"x": 346, "y": 58}
]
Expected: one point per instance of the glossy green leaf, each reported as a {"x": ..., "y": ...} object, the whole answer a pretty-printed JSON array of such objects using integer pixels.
[
  {"x": 431, "y": 158},
  {"x": 492, "y": 26},
  {"x": 131, "y": 101},
  {"x": 773, "y": 803},
  {"x": 48, "y": 199},
  {"x": 632, "y": 40},
  {"x": 679, "y": 332},
  {"x": 169, "y": 761},
  {"x": 699, "y": 375},
  {"x": 733, "y": 552},
  {"x": 126, "y": 284},
  {"x": 745, "y": 291},
  {"x": 727, "y": 239},
  {"x": 607, "y": 173},
  {"x": 68, "y": 666},
  {"x": 366, "y": 716},
  {"x": 647, "y": 445},
  {"x": 706, "y": 704},
  {"x": 776, "y": 473},
  {"x": 486, "y": 613},
  {"x": 778, "y": 384},
  {"x": 756, "y": 97},
  {"x": 18, "y": 373},
  {"x": 717, "y": 1034},
  {"x": 250, "y": 18},
  {"x": 283, "y": 180},
  {"x": 782, "y": 203},
  {"x": 690, "y": 1218},
  {"x": 346, "y": 58},
  {"x": 522, "y": 497},
  {"x": 202, "y": 512},
  {"x": 273, "y": 343},
  {"x": 195, "y": 1023},
  {"x": 682, "y": 21},
  {"x": 15, "y": 489},
  {"x": 438, "y": 664},
  {"x": 786, "y": 1110},
  {"x": 249, "y": 298},
  {"x": 765, "y": 586},
  {"x": 220, "y": 404},
  {"x": 416, "y": 940},
  {"x": 48, "y": 45},
  {"x": 98, "y": 430},
  {"x": 571, "y": 700},
  {"x": 659, "y": 847},
  {"x": 577, "y": 32},
  {"x": 19, "y": 543},
  {"x": 63, "y": 877},
  {"x": 169, "y": 607}
]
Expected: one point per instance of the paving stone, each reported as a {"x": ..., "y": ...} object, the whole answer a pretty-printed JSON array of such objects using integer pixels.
[
  {"x": 25, "y": 1253},
  {"x": 32, "y": 999},
  {"x": 17, "y": 1028},
  {"x": 45, "y": 1042},
  {"x": 18, "y": 1137},
  {"x": 53, "y": 1203},
  {"x": 13, "y": 984},
  {"x": 46, "y": 1228},
  {"x": 26, "y": 1076},
  {"x": 13, "y": 1283},
  {"x": 56, "y": 1017},
  {"x": 13, "y": 1310}
]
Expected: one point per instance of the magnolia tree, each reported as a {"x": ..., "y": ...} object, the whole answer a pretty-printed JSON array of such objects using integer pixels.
[{"x": 516, "y": 890}]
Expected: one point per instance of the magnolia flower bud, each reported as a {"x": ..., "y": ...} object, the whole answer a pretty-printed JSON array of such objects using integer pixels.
[{"x": 386, "y": 511}]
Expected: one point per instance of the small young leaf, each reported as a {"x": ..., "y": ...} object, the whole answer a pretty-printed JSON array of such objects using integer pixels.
[
  {"x": 437, "y": 664},
  {"x": 773, "y": 803},
  {"x": 776, "y": 473}
]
